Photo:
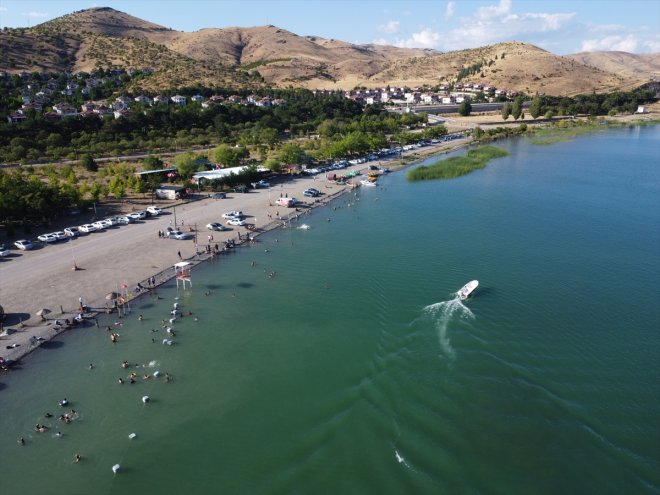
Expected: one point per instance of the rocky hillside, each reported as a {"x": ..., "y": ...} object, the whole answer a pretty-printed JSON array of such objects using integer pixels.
[{"x": 103, "y": 37}]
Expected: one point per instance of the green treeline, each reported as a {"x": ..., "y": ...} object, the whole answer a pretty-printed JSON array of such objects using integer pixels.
[
  {"x": 169, "y": 127},
  {"x": 591, "y": 104},
  {"x": 457, "y": 166},
  {"x": 28, "y": 200}
]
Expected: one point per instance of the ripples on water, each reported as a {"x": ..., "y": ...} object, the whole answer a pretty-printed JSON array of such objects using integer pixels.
[{"x": 339, "y": 374}]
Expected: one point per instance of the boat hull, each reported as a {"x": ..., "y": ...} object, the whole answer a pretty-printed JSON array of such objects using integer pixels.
[{"x": 467, "y": 289}]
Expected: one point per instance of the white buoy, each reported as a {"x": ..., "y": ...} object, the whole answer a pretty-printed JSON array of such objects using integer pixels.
[
  {"x": 132, "y": 436},
  {"x": 156, "y": 374},
  {"x": 116, "y": 468},
  {"x": 145, "y": 399}
]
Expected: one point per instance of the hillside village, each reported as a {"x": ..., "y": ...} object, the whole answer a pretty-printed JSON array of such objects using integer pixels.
[{"x": 54, "y": 96}]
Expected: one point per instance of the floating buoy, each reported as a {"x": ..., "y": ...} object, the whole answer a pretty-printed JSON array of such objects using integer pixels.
[
  {"x": 132, "y": 436},
  {"x": 116, "y": 468},
  {"x": 145, "y": 399}
]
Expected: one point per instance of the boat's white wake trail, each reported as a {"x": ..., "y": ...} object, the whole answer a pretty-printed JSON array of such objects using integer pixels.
[{"x": 442, "y": 313}]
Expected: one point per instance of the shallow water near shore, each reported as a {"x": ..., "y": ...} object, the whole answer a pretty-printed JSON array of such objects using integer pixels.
[{"x": 338, "y": 360}]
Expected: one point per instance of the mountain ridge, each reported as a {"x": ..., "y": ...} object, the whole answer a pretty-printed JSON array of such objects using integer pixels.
[{"x": 269, "y": 55}]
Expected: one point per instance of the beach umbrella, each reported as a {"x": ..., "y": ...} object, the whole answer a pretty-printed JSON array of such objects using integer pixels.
[
  {"x": 111, "y": 295},
  {"x": 43, "y": 312}
]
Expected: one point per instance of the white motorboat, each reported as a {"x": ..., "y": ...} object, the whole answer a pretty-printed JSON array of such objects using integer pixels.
[{"x": 467, "y": 289}]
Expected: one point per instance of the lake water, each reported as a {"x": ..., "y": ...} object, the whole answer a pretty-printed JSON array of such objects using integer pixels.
[{"x": 341, "y": 362}]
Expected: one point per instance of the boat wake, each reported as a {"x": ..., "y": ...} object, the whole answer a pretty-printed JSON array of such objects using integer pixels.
[
  {"x": 400, "y": 459},
  {"x": 442, "y": 313}
]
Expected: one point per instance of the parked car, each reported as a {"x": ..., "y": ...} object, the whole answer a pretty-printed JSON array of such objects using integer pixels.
[
  {"x": 61, "y": 235},
  {"x": 218, "y": 195},
  {"x": 216, "y": 226},
  {"x": 72, "y": 231},
  {"x": 236, "y": 221},
  {"x": 311, "y": 192},
  {"x": 177, "y": 234},
  {"x": 4, "y": 251},
  {"x": 241, "y": 189},
  {"x": 87, "y": 228},
  {"x": 24, "y": 244},
  {"x": 154, "y": 210},
  {"x": 110, "y": 221},
  {"x": 125, "y": 219},
  {"x": 47, "y": 238},
  {"x": 233, "y": 214},
  {"x": 286, "y": 202},
  {"x": 262, "y": 184},
  {"x": 100, "y": 225},
  {"x": 138, "y": 215}
]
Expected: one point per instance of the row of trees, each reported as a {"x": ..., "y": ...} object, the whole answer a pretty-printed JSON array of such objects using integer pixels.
[{"x": 169, "y": 127}]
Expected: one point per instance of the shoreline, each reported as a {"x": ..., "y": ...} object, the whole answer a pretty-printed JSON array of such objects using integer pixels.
[
  {"x": 22, "y": 328},
  {"x": 149, "y": 258}
]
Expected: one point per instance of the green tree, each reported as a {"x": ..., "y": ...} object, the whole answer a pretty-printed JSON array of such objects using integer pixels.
[
  {"x": 506, "y": 110},
  {"x": 464, "y": 109},
  {"x": 273, "y": 164},
  {"x": 292, "y": 153},
  {"x": 88, "y": 163},
  {"x": 185, "y": 164},
  {"x": 516, "y": 109},
  {"x": 535, "y": 107},
  {"x": 478, "y": 133},
  {"x": 95, "y": 191},
  {"x": 152, "y": 163},
  {"x": 230, "y": 156}
]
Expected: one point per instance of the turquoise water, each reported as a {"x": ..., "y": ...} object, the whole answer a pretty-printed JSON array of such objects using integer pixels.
[{"x": 342, "y": 363}]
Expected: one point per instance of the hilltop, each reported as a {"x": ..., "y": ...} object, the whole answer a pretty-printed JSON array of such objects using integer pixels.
[{"x": 268, "y": 55}]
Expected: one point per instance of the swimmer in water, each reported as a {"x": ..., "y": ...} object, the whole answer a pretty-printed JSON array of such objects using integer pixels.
[{"x": 76, "y": 458}]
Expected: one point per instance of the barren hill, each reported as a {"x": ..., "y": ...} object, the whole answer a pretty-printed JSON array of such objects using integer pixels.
[
  {"x": 103, "y": 37},
  {"x": 625, "y": 63}
]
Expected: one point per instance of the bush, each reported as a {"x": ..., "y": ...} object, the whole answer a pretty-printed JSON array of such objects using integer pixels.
[{"x": 89, "y": 164}]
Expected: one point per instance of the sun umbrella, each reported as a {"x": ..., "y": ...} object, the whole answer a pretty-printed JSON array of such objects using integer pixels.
[{"x": 43, "y": 312}]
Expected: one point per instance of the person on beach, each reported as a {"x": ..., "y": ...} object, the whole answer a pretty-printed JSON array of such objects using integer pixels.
[{"x": 179, "y": 253}]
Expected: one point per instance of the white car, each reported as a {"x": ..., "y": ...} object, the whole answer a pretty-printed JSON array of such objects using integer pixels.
[
  {"x": 138, "y": 215},
  {"x": 24, "y": 244},
  {"x": 125, "y": 220},
  {"x": 111, "y": 221},
  {"x": 48, "y": 238},
  {"x": 233, "y": 215},
  {"x": 72, "y": 231},
  {"x": 177, "y": 234},
  {"x": 154, "y": 210},
  {"x": 61, "y": 235},
  {"x": 216, "y": 226},
  {"x": 236, "y": 221},
  {"x": 87, "y": 228},
  {"x": 100, "y": 225}
]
